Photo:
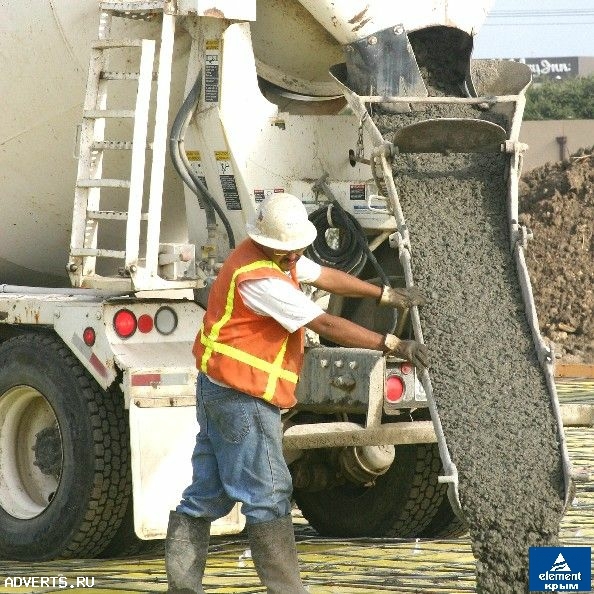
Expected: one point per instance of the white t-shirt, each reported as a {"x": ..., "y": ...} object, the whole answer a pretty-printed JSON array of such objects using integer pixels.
[{"x": 289, "y": 306}]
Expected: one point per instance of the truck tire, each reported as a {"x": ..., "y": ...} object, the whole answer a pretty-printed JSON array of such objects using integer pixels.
[
  {"x": 445, "y": 524},
  {"x": 402, "y": 503},
  {"x": 63, "y": 453},
  {"x": 125, "y": 543}
]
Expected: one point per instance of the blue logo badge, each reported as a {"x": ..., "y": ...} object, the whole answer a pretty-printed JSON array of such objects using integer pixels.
[{"x": 560, "y": 569}]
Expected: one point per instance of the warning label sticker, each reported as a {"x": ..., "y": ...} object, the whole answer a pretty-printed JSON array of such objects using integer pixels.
[
  {"x": 259, "y": 195},
  {"x": 196, "y": 165},
  {"x": 211, "y": 70},
  {"x": 357, "y": 192},
  {"x": 227, "y": 177}
]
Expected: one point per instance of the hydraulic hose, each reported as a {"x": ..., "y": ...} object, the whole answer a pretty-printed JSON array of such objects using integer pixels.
[
  {"x": 183, "y": 167},
  {"x": 347, "y": 255},
  {"x": 353, "y": 250}
]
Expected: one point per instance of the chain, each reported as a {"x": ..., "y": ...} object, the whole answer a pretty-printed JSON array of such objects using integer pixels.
[{"x": 360, "y": 148}]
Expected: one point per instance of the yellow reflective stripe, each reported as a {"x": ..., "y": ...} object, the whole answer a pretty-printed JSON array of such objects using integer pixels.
[
  {"x": 251, "y": 360},
  {"x": 276, "y": 373},
  {"x": 216, "y": 328},
  {"x": 274, "y": 370}
]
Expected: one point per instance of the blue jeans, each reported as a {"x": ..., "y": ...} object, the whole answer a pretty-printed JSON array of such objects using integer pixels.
[{"x": 238, "y": 457}]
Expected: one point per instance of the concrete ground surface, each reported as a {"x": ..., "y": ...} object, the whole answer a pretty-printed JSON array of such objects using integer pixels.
[{"x": 327, "y": 566}]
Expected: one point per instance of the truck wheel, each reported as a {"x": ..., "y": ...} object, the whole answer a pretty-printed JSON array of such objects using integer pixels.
[
  {"x": 125, "y": 543},
  {"x": 402, "y": 503},
  {"x": 445, "y": 524},
  {"x": 63, "y": 454}
]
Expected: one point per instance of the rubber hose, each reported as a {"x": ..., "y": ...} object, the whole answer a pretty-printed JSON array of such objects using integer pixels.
[
  {"x": 348, "y": 255},
  {"x": 353, "y": 249},
  {"x": 182, "y": 165}
]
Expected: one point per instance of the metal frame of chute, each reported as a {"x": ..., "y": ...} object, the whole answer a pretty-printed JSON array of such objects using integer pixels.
[{"x": 382, "y": 154}]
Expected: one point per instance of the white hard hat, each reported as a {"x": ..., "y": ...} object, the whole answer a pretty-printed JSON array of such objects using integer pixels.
[{"x": 281, "y": 223}]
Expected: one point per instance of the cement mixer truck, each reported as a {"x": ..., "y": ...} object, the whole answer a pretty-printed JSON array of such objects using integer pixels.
[{"x": 137, "y": 138}]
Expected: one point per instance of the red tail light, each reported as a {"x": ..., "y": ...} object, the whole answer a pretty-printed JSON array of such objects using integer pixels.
[
  {"x": 124, "y": 323},
  {"x": 89, "y": 336},
  {"x": 145, "y": 323},
  {"x": 394, "y": 388}
]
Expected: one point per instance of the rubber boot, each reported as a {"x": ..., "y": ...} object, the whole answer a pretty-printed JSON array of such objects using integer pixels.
[
  {"x": 186, "y": 547},
  {"x": 275, "y": 556}
]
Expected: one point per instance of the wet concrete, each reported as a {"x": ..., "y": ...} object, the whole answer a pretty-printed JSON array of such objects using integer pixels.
[{"x": 488, "y": 385}]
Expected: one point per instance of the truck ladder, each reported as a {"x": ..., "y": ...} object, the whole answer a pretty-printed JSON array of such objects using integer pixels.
[{"x": 140, "y": 266}]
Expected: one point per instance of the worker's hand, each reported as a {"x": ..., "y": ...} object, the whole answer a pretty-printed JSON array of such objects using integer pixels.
[
  {"x": 401, "y": 297},
  {"x": 411, "y": 350}
]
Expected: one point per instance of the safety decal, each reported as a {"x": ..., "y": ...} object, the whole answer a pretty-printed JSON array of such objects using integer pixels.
[
  {"x": 212, "y": 60},
  {"x": 259, "y": 195},
  {"x": 196, "y": 165},
  {"x": 227, "y": 177}
]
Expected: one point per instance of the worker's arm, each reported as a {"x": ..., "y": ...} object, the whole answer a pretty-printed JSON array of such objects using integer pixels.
[
  {"x": 349, "y": 334},
  {"x": 346, "y": 333},
  {"x": 341, "y": 283}
]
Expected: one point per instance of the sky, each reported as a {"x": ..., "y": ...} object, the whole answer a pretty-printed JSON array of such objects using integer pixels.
[{"x": 537, "y": 29}]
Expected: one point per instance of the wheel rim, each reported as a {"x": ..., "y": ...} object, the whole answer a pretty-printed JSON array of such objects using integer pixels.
[{"x": 30, "y": 452}]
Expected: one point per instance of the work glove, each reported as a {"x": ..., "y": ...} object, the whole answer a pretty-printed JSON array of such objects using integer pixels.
[
  {"x": 410, "y": 350},
  {"x": 401, "y": 297}
]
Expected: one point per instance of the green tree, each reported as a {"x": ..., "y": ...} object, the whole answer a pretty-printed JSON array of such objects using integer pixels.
[{"x": 571, "y": 98}]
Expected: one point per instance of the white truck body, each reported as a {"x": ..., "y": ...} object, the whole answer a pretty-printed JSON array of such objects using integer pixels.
[
  {"x": 45, "y": 48},
  {"x": 269, "y": 118}
]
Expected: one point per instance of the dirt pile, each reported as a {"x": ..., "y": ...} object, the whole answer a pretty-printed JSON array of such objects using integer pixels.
[{"x": 557, "y": 204}]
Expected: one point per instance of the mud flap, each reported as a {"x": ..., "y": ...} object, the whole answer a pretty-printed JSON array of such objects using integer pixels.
[
  {"x": 457, "y": 135},
  {"x": 161, "y": 441}
]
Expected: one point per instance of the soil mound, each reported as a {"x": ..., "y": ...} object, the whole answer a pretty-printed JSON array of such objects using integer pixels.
[{"x": 557, "y": 204}]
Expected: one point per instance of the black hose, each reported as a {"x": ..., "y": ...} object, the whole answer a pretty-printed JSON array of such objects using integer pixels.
[
  {"x": 182, "y": 165},
  {"x": 352, "y": 251},
  {"x": 342, "y": 251}
]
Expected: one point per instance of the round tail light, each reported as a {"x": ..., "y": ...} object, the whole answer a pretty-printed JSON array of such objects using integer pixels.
[
  {"x": 165, "y": 320},
  {"x": 394, "y": 388},
  {"x": 124, "y": 323},
  {"x": 89, "y": 336},
  {"x": 145, "y": 323},
  {"x": 406, "y": 368}
]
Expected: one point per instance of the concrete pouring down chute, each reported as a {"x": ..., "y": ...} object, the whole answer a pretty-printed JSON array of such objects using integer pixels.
[
  {"x": 296, "y": 42},
  {"x": 490, "y": 383}
]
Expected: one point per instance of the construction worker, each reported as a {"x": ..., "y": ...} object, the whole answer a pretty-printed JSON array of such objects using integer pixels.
[{"x": 249, "y": 352}]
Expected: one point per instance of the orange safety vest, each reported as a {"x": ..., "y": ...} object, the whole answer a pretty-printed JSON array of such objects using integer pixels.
[{"x": 245, "y": 350}]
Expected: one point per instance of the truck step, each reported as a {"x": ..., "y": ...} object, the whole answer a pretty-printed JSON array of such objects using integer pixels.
[
  {"x": 113, "y": 75},
  {"x": 116, "y": 145},
  {"x": 133, "y": 9},
  {"x": 103, "y": 44},
  {"x": 112, "y": 215},
  {"x": 97, "y": 114},
  {"x": 97, "y": 253},
  {"x": 103, "y": 183}
]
